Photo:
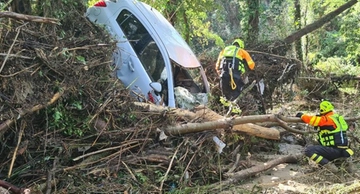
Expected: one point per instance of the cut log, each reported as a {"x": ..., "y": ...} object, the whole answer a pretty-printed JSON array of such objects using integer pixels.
[{"x": 248, "y": 127}]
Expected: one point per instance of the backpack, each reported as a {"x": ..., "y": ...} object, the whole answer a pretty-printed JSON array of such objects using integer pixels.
[
  {"x": 231, "y": 82},
  {"x": 341, "y": 123}
]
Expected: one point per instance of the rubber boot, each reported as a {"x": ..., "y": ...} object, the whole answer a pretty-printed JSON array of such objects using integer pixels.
[{"x": 331, "y": 167}]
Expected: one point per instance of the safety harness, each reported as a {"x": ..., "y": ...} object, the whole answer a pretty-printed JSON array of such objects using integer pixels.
[
  {"x": 336, "y": 137},
  {"x": 236, "y": 60},
  {"x": 232, "y": 82}
]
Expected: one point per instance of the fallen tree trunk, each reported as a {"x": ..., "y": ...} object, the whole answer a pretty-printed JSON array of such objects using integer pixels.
[
  {"x": 319, "y": 23},
  {"x": 206, "y": 114},
  {"x": 215, "y": 121},
  {"x": 239, "y": 124},
  {"x": 246, "y": 173}
]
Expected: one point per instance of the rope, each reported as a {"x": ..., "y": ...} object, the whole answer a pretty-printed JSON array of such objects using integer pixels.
[{"x": 232, "y": 82}]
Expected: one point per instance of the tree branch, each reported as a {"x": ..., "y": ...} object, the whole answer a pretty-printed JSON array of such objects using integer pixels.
[
  {"x": 9, "y": 14},
  {"x": 243, "y": 174},
  {"x": 319, "y": 23},
  {"x": 13, "y": 188}
]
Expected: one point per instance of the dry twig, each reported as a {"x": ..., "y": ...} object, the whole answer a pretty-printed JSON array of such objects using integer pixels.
[
  {"x": 11, "y": 47},
  {"x": 170, "y": 165},
  {"x": 17, "y": 148}
]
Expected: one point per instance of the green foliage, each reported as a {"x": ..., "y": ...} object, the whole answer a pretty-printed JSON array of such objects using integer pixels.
[
  {"x": 141, "y": 177},
  {"x": 68, "y": 117},
  {"x": 234, "y": 139},
  {"x": 191, "y": 19},
  {"x": 336, "y": 66},
  {"x": 81, "y": 59},
  {"x": 3, "y": 5},
  {"x": 350, "y": 31},
  {"x": 339, "y": 38},
  {"x": 232, "y": 106},
  {"x": 272, "y": 17},
  {"x": 349, "y": 90}
]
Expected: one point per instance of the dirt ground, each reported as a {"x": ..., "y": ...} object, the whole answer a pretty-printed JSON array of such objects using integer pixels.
[
  {"x": 280, "y": 179},
  {"x": 299, "y": 178}
]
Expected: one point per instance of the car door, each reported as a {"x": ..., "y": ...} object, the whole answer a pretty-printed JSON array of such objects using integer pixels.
[{"x": 141, "y": 60}]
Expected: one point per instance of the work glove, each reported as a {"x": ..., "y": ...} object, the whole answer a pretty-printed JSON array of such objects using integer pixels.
[{"x": 299, "y": 114}]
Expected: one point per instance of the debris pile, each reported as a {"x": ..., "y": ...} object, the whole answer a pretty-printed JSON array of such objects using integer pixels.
[{"x": 68, "y": 125}]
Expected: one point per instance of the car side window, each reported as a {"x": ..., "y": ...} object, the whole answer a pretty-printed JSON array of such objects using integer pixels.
[{"x": 143, "y": 44}]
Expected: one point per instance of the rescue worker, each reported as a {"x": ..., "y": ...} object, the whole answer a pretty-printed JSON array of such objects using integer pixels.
[
  {"x": 232, "y": 63},
  {"x": 331, "y": 128}
]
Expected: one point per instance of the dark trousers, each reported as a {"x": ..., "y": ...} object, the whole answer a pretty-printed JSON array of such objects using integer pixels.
[
  {"x": 322, "y": 154},
  {"x": 226, "y": 89}
]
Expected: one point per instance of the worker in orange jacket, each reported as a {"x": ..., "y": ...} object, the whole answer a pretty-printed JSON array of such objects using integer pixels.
[
  {"x": 231, "y": 65},
  {"x": 331, "y": 128}
]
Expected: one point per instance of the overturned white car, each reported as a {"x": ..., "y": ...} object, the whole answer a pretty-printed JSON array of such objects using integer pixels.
[{"x": 152, "y": 58}]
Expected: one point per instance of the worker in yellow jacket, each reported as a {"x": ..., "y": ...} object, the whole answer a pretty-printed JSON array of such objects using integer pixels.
[
  {"x": 331, "y": 128},
  {"x": 231, "y": 65}
]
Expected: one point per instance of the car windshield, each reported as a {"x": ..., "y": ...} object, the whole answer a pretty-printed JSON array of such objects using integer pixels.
[
  {"x": 189, "y": 89},
  {"x": 189, "y": 78}
]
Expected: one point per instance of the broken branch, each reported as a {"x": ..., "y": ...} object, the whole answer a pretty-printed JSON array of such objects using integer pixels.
[
  {"x": 9, "y": 14},
  {"x": 13, "y": 188},
  {"x": 234, "y": 177}
]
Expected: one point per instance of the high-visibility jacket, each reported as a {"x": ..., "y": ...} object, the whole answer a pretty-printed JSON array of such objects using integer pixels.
[
  {"x": 241, "y": 54},
  {"x": 331, "y": 129}
]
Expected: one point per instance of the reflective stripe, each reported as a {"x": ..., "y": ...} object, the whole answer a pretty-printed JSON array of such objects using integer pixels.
[
  {"x": 241, "y": 67},
  {"x": 317, "y": 121},
  {"x": 316, "y": 158},
  {"x": 313, "y": 156},
  {"x": 312, "y": 120},
  {"x": 319, "y": 159},
  {"x": 350, "y": 151}
]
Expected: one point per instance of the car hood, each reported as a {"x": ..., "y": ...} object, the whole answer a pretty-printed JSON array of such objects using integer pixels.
[{"x": 178, "y": 50}]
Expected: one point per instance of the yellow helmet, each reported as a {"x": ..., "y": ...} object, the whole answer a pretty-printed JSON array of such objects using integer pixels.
[
  {"x": 325, "y": 107},
  {"x": 239, "y": 42}
]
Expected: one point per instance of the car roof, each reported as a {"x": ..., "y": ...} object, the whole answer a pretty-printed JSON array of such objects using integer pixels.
[{"x": 178, "y": 50}]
